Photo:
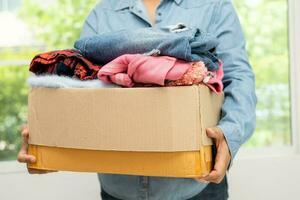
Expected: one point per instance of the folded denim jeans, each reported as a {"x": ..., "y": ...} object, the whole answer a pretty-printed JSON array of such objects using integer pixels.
[{"x": 181, "y": 42}]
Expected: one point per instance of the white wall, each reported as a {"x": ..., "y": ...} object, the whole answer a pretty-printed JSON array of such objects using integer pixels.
[{"x": 265, "y": 178}]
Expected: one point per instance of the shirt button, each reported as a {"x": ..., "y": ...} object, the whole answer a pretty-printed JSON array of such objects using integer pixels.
[{"x": 159, "y": 14}]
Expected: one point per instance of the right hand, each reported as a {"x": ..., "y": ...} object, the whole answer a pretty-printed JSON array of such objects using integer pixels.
[{"x": 23, "y": 156}]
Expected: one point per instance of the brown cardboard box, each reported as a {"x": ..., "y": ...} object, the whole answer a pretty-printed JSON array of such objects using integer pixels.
[{"x": 140, "y": 131}]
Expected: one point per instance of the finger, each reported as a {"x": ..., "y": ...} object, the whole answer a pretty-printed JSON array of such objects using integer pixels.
[
  {"x": 218, "y": 172},
  {"x": 222, "y": 159},
  {"x": 201, "y": 180},
  {"x": 25, "y": 131},
  {"x": 23, "y": 155},
  {"x": 215, "y": 177},
  {"x": 24, "y": 158},
  {"x": 214, "y": 133},
  {"x": 25, "y": 137},
  {"x": 24, "y": 126},
  {"x": 221, "y": 164}
]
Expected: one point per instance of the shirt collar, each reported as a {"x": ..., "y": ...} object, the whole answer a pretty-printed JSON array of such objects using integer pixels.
[
  {"x": 124, "y": 4},
  {"x": 178, "y": 1},
  {"x": 128, "y": 3}
]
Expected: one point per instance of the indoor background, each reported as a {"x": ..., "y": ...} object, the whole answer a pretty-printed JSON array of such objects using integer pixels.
[{"x": 268, "y": 165}]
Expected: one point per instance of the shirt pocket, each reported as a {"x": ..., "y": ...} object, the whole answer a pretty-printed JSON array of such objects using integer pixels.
[
  {"x": 200, "y": 13},
  {"x": 190, "y": 4}
]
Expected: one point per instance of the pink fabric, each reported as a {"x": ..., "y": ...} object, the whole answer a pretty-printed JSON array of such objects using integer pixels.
[
  {"x": 215, "y": 81},
  {"x": 137, "y": 68},
  {"x": 140, "y": 70}
]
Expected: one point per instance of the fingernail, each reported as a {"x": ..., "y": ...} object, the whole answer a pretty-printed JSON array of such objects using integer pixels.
[{"x": 32, "y": 160}]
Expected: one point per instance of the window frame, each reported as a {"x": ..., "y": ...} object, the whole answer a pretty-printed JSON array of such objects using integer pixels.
[
  {"x": 294, "y": 46},
  {"x": 294, "y": 83}
]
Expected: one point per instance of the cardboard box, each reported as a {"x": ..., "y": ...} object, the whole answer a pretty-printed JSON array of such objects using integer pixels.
[{"x": 139, "y": 131}]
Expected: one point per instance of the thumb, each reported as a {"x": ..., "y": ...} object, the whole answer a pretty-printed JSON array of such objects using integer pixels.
[{"x": 214, "y": 132}]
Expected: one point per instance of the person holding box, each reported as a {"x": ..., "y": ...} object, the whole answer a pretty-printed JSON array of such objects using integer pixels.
[{"x": 237, "y": 123}]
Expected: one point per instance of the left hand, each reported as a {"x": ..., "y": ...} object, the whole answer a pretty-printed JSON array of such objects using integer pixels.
[
  {"x": 222, "y": 159},
  {"x": 23, "y": 155}
]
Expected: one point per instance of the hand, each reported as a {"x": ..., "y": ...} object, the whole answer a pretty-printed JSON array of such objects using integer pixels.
[
  {"x": 222, "y": 159},
  {"x": 23, "y": 156}
]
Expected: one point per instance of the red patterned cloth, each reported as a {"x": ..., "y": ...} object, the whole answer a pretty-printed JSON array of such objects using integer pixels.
[
  {"x": 67, "y": 62},
  {"x": 195, "y": 75},
  {"x": 198, "y": 74}
]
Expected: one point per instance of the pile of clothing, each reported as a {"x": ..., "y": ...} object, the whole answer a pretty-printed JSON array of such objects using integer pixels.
[{"x": 170, "y": 56}]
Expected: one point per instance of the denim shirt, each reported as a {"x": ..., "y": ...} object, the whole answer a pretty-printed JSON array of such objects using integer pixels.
[{"x": 237, "y": 122}]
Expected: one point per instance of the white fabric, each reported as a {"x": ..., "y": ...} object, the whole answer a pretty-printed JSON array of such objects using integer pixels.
[{"x": 55, "y": 81}]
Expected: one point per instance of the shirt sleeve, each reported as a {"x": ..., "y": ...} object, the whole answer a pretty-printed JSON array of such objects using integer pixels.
[
  {"x": 90, "y": 26},
  {"x": 238, "y": 111}
]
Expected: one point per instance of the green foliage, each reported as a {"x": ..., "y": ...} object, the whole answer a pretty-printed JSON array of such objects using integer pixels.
[
  {"x": 273, "y": 116},
  {"x": 22, "y": 53},
  {"x": 266, "y": 30},
  {"x": 13, "y": 110},
  {"x": 59, "y": 24}
]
